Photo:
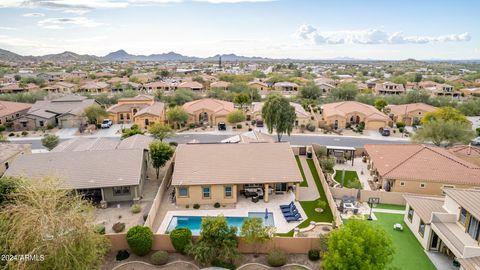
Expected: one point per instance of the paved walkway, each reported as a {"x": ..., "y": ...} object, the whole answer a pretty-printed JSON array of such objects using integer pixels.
[
  {"x": 66, "y": 132},
  {"x": 358, "y": 166},
  {"x": 309, "y": 193},
  {"x": 441, "y": 261},
  {"x": 390, "y": 211}
]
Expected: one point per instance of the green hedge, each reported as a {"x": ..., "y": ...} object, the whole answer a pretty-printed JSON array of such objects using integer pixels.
[{"x": 140, "y": 240}]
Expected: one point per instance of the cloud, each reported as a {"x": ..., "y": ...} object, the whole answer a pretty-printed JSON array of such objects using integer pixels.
[
  {"x": 233, "y": 1},
  {"x": 61, "y": 23},
  {"x": 7, "y": 28},
  {"x": 35, "y": 14},
  {"x": 370, "y": 36}
]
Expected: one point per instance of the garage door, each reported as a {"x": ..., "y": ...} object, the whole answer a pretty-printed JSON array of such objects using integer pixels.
[{"x": 375, "y": 125}]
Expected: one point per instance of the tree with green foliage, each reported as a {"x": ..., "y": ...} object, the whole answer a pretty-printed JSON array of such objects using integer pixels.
[
  {"x": 220, "y": 93},
  {"x": 418, "y": 77},
  {"x": 470, "y": 107},
  {"x": 8, "y": 185},
  {"x": 236, "y": 117},
  {"x": 180, "y": 97},
  {"x": 217, "y": 242},
  {"x": 47, "y": 220},
  {"x": 418, "y": 96},
  {"x": 177, "y": 116},
  {"x": 241, "y": 99},
  {"x": 358, "y": 245},
  {"x": 446, "y": 114},
  {"x": 133, "y": 130},
  {"x": 447, "y": 132},
  {"x": 343, "y": 92},
  {"x": 94, "y": 112},
  {"x": 161, "y": 131},
  {"x": 50, "y": 141},
  {"x": 160, "y": 153},
  {"x": 255, "y": 233},
  {"x": 380, "y": 104},
  {"x": 278, "y": 115},
  {"x": 140, "y": 240},
  {"x": 310, "y": 91},
  {"x": 181, "y": 238},
  {"x": 163, "y": 73}
]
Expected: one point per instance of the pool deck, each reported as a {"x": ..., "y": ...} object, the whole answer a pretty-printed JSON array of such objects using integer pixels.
[{"x": 241, "y": 209}]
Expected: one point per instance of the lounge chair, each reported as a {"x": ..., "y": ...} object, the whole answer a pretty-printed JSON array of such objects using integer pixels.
[
  {"x": 294, "y": 218},
  {"x": 290, "y": 214},
  {"x": 287, "y": 206},
  {"x": 291, "y": 209}
]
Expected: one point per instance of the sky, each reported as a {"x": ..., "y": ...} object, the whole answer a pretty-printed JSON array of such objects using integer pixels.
[{"x": 300, "y": 29}]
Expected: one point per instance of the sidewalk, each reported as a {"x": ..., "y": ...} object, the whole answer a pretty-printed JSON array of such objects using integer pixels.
[{"x": 309, "y": 193}]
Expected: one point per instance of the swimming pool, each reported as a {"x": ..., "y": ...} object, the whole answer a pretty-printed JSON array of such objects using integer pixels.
[{"x": 194, "y": 223}]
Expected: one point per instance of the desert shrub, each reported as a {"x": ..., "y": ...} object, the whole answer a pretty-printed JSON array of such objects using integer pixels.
[
  {"x": 2, "y": 128},
  {"x": 216, "y": 205},
  {"x": 24, "y": 133},
  {"x": 196, "y": 206},
  {"x": 181, "y": 238},
  {"x": 140, "y": 240},
  {"x": 50, "y": 126},
  {"x": 118, "y": 227},
  {"x": 313, "y": 254},
  {"x": 239, "y": 126},
  {"x": 191, "y": 125},
  {"x": 122, "y": 255},
  {"x": 136, "y": 208},
  {"x": 100, "y": 228},
  {"x": 11, "y": 134},
  {"x": 276, "y": 258},
  {"x": 400, "y": 125},
  {"x": 159, "y": 258},
  {"x": 173, "y": 143}
]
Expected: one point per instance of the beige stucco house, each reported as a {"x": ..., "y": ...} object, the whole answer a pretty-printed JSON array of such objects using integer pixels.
[
  {"x": 238, "y": 168},
  {"x": 419, "y": 168},
  {"x": 208, "y": 111},
  {"x": 448, "y": 226},
  {"x": 389, "y": 88},
  {"x": 338, "y": 114},
  {"x": 410, "y": 114},
  {"x": 259, "y": 85},
  {"x": 303, "y": 117},
  {"x": 142, "y": 110},
  {"x": 9, "y": 152},
  {"x": 9, "y": 111}
]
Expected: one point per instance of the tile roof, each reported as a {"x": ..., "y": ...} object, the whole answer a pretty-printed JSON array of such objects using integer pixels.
[
  {"x": 467, "y": 152},
  {"x": 126, "y": 107},
  {"x": 68, "y": 104},
  {"x": 83, "y": 169},
  {"x": 407, "y": 108},
  {"x": 198, "y": 164},
  {"x": 7, "y": 107},
  {"x": 422, "y": 162},
  {"x": 466, "y": 198},
  {"x": 8, "y": 150},
  {"x": 220, "y": 84},
  {"x": 155, "y": 109},
  {"x": 77, "y": 144},
  {"x": 192, "y": 85},
  {"x": 217, "y": 106},
  {"x": 137, "y": 141},
  {"x": 346, "y": 107},
  {"x": 472, "y": 263},
  {"x": 425, "y": 206}
]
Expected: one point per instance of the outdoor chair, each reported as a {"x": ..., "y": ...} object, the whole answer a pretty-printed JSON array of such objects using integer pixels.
[
  {"x": 291, "y": 209},
  {"x": 287, "y": 205},
  {"x": 294, "y": 218},
  {"x": 290, "y": 214}
]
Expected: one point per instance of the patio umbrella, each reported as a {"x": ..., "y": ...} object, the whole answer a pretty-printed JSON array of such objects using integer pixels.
[{"x": 266, "y": 213}]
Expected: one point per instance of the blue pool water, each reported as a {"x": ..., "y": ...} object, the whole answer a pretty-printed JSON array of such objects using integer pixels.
[{"x": 194, "y": 222}]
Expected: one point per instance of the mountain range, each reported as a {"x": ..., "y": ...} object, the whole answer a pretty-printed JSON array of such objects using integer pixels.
[{"x": 122, "y": 55}]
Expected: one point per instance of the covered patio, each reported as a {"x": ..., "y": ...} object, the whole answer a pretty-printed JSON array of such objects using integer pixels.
[{"x": 339, "y": 152}]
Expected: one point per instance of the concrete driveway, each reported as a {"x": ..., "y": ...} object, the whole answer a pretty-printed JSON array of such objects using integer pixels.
[
  {"x": 113, "y": 131},
  {"x": 66, "y": 132}
]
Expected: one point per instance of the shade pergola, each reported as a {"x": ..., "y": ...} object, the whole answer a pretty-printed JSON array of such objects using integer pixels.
[{"x": 333, "y": 149}]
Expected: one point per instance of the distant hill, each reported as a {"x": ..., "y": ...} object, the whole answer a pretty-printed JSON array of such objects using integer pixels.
[
  {"x": 69, "y": 57},
  {"x": 122, "y": 55},
  {"x": 9, "y": 56}
]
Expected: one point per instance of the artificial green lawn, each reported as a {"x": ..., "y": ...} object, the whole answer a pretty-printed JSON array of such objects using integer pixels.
[
  {"x": 304, "y": 183},
  {"x": 309, "y": 206},
  {"x": 351, "y": 179},
  {"x": 409, "y": 254},
  {"x": 390, "y": 206}
]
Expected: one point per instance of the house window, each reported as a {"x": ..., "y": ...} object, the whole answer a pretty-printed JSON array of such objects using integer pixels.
[
  {"x": 463, "y": 216},
  {"x": 120, "y": 191},
  {"x": 6, "y": 165},
  {"x": 410, "y": 214},
  {"x": 421, "y": 228},
  {"x": 183, "y": 192},
  {"x": 41, "y": 123},
  {"x": 474, "y": 228},
  {"x": 206, "y": 192},
  {"x": 146, "y": 122},
  {"x": 121, "y": 116},
  {"x": 228, "y": 191},
  {"x": 402, "y": 184},
  {"x": 422, "y": 185},
  {"x": 24, "y": 124}
]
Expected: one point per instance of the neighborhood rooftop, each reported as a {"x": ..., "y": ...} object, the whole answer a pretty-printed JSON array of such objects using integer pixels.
[
  {"x": 467, "y": 198},
  {"x": 198, "y": 164},
  {"x": 418, "y": 161},
  {"x": 84, "y": 169}
]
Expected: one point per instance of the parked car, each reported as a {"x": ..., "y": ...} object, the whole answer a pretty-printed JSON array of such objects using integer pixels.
[
  {"x": 476, "y": 141},
  {"x": 259, "y": 123},
  {"x": 384, "y": 131},
  {"x": 106, "y": 123},
  {"x": 222, "y": 126}
]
